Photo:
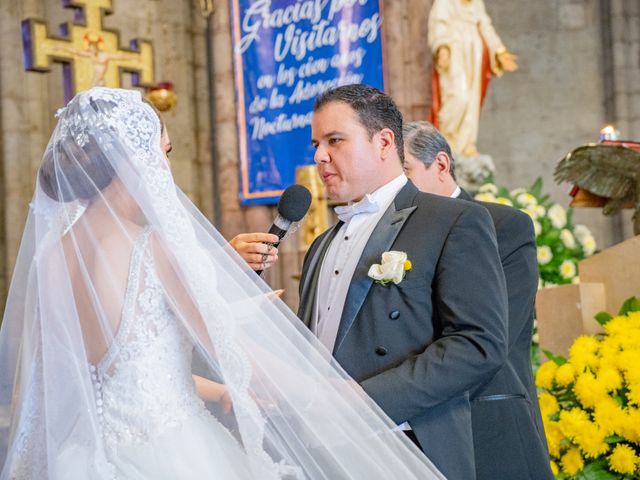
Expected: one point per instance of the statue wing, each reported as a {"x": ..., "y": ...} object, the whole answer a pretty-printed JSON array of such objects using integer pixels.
[{"x": 611, "y": 171}]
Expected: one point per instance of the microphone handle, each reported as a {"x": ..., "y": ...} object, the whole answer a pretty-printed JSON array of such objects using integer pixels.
[
  {"x": 280, "y": 232},
  {"x": 276, "y": 231}
]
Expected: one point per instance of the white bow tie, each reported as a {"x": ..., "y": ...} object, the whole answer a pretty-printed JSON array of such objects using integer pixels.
[{"x": 366, "y": 205}]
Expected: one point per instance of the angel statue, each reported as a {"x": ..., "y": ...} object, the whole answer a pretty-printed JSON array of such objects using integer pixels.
[{"x": 610, "y": 170}]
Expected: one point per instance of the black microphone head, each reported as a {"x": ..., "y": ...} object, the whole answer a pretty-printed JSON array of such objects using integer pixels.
[{"x": 294, "y": 203}]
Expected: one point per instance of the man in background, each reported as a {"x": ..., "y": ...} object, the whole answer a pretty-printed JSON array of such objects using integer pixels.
[{"x": 508, "y": 435}]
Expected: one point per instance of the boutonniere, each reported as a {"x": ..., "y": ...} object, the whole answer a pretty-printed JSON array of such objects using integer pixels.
[{"x": 393, "y": 268}]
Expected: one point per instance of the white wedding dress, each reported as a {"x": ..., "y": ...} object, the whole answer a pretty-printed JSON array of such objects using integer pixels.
[{"x": 152, "y": 422}]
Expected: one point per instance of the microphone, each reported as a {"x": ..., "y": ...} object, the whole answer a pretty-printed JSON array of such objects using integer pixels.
[{"x": 292, "y": 207}]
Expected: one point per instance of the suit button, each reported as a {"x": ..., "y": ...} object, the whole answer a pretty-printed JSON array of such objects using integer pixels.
[
  {"x": 381, "y": 351},
  {"x": 394, "y": 315}
]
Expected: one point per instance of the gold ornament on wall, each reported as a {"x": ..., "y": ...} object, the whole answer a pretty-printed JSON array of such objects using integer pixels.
[
  {"x": 316, "y": 220},
  {"x": 162, "y": 96},
  {"x": 91, "y": 54}
]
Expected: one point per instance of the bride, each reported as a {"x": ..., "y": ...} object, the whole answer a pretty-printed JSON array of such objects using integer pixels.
[{"x": 120, "y": 287}]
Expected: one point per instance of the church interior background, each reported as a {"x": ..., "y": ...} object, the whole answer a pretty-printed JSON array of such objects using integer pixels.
[{"x": 579, "y": 70}]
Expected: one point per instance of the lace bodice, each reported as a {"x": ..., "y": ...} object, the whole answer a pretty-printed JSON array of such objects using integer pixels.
[{"x": 143, "y": 384}]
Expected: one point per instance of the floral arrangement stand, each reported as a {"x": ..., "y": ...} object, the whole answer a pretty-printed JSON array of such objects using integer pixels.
[
  {"x": 606, "y": 280},
  {"x": 565, "y": 312},
  {"x": 560, "y": 244},
  {"x": 590, "y": 401}
]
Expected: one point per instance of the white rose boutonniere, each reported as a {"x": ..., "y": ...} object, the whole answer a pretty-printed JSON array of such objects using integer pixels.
[{"x": 393, "y": 268}]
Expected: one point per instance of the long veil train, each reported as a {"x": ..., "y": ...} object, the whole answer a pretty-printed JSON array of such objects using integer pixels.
[{"x": 119, "y": 281}]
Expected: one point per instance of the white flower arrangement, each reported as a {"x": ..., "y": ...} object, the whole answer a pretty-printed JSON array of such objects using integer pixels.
[
  {"x": 393, "y": 268},
  {"x": 558, "y": 216},
  {"x": 561, "y": 245}
]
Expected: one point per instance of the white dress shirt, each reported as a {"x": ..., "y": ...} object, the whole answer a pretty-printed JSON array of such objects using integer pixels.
[
  {"x": 456, "y": 193},
  {"x": 341, "y": 260}
]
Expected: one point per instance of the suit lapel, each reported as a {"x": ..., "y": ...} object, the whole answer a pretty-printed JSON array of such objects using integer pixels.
[
  {"x": 380, "y": 241},
  {"x": 310, "y": 280}
]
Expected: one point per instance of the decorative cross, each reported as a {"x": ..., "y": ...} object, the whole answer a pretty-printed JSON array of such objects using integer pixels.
[{"x": 90, "y": 54}]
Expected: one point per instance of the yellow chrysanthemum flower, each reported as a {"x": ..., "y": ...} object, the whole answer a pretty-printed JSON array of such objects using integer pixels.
[
  {"x": 584, "y": 343},
  {"x": 554, "y": 468},
  {"x": 609, "y": 416},
  {"x": 548, "y": 404},
  {"x": 588, "y": 390},
  {"x": 572, "y": 421},
  {"x": 631, "y": 428},
  {"x": 634, "y": 318},
  {"x": 565, "y": 375},
  {"x": 633, "y": 395},
  {"x": 572, "y": 461},
  {"x": 609, "y": 377},
  {"x": 554, "y": 435},
  {"x": 408, "y": 265},
  {"x": 632, "y": 371},
  {"x": 545, "y": 374},
  {"x": 591, "y": 440},
  {"x": 609, "y": 351},
  {"x": 618, "y": 325},
  {"x": 630, "y": 340},
  {"x": 583, "y": 353},
  {"x": 624, "y": 459},
  {"x": 629, "y": 362}
]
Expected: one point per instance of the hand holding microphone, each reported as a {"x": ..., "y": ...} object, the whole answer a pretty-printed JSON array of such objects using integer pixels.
[
  {"x": 292, "y": 207},
  {"x": 256, "y": 249}
]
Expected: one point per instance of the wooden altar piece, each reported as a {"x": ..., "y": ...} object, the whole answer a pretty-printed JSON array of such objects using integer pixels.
[
  {"x": 607, "y": 279},
  {"x": 565, "y": 312}
]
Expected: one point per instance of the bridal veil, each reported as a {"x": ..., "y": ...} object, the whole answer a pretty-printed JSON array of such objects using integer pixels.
[{"x": 104, "y": 184}]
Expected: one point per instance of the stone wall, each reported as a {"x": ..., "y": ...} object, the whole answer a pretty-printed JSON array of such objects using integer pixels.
[{"x": 556, "y": 101}]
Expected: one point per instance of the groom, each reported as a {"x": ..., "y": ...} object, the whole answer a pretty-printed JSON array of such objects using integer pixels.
[{"x": 418, "y": 346}]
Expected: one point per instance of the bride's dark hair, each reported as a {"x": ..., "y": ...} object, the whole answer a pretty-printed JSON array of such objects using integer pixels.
[{"x": 75, "y": 166}]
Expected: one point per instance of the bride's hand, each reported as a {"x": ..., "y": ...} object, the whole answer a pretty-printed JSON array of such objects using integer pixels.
[
  {"x": 211, "y": 391},
  {"x": 225, "y": 401},
  {"x": 256, "y": 249}
]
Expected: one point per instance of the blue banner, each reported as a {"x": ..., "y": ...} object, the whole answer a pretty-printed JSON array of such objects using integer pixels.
[{"x": 286, "y": 52}]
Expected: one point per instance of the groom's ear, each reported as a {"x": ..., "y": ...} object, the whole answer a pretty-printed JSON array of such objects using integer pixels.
[{"x": 386, "y": 139}]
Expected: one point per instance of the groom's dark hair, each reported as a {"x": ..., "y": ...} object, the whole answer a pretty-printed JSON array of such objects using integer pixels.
[{"x": 376, "y": 110}]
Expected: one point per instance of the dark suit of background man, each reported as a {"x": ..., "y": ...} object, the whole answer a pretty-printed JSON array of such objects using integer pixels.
[
  {"x": 417, "y": 347},
  {"x": 508, "y": 435}
]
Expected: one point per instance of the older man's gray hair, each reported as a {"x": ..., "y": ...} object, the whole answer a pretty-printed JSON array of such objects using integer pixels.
[{"x": 424, "y": 142}]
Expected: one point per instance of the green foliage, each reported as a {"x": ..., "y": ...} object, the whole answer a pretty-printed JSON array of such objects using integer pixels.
[
  {"x": 561, "y": 244},
  {"x": 630, "y": 305}
]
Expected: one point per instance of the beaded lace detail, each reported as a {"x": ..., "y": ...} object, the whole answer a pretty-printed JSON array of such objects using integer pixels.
[{"x": 143, "y": 384}]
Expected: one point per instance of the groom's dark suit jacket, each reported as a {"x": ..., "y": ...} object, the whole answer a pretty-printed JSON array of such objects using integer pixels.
[
  {"x": 508, "y": 435},
  {"x": 419, "y": 347}
]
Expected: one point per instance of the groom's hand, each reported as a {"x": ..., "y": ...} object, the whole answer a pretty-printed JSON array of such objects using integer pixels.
[{"x": 256, "y": 249}]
